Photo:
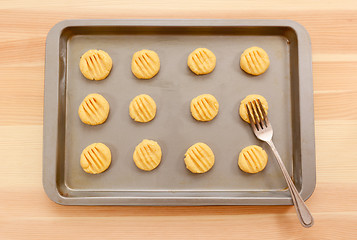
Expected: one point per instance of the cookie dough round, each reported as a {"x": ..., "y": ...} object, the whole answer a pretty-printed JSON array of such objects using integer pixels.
[
  {"x": 95, "y": 64},
  {"x": 142, "y": 108},
  {"x": 94, "y": 109},
  {"x": 204, "y": 107},
  {"x": 199, "y": 158},
  {"x": 243, "y": 110},
  {"x": 254, "y": 60},
  {"x": 252, "y": 159},
  {"x": 147, "y": 155},
  {"x": 145, "y": 64},
  {"x": 201, "y": 61},
  {"x": 96, "y": 158}
]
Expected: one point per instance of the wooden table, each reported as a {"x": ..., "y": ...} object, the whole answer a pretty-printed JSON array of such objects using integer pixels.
[{"x": 27, "y": 213}]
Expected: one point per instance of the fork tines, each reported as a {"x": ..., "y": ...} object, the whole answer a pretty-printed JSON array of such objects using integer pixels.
[{"x": 257, "y": 111}]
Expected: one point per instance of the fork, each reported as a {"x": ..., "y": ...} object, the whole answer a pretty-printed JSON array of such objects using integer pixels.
[{"x": 264, "y": 132}]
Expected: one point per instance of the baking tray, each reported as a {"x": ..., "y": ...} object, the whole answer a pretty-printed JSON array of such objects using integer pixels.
[{"x": 287, "y": 86}]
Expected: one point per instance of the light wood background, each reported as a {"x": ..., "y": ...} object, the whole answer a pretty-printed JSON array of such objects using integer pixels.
[{"x": 27, "y": 213}]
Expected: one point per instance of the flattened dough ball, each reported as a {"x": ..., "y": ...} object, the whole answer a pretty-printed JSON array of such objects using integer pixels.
[
  {"x": 201, "y": 61},
  {"x": 96, "y": 158},
  {"x": 147, "y": 155},
  {"x": 252, "y": 159},
  {"x": 204, "y": 107},
  {"x": 95, "y": 64},
  {"x": 199, "y": 158},
  {"x": 142, "y": 108},
  {"x": 243, "y": 110},
  {"x": 145, "y": 64},
  {"x": 94, "y": 109},
  {"x": 254, "y": 60}
]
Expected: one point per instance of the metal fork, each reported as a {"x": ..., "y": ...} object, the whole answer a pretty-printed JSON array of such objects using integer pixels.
[{"x": 264, "y": 131}]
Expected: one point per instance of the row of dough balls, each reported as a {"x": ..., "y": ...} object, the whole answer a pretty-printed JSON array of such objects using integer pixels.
[
  {"x": 94, "y": 109},
  {"x": 199, "y": 158},
  {"x": 145, "y": 64}
]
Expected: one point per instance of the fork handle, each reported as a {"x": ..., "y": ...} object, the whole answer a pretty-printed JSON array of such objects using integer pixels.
[{"x": 302, "y": 211}]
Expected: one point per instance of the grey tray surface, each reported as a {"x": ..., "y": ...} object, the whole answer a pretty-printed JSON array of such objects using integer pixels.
[{"x": 287, "y": 86}]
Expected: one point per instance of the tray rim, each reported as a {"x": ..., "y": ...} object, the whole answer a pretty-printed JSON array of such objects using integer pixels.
[{"x": 306, "y": 111}]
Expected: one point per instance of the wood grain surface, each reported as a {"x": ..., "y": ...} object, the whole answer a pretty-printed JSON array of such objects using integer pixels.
[{"x": 27, "y": 213}]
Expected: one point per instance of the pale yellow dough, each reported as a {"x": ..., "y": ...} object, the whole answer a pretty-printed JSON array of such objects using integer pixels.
[
  {"x": 147, "y": 155},
  {"x": 252, "y": 159},
  {"x": 142, "y": 108},
  {"x": 243, "y": 110},
  {"x": 94, "y": 109},
  {"x": 204, "y": 107},
  {"x": 199, "y": 158},
  {"x": 95, "y": 64},
  {"x": 201, "y": 61},
  {"x": 145, "y": 64},
  {"x": 96, "y": 158},
  {"x": 254, "y": 60}
]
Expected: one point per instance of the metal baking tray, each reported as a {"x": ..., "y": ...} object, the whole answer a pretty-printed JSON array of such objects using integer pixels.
[{"x": 287, "y": 86}]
